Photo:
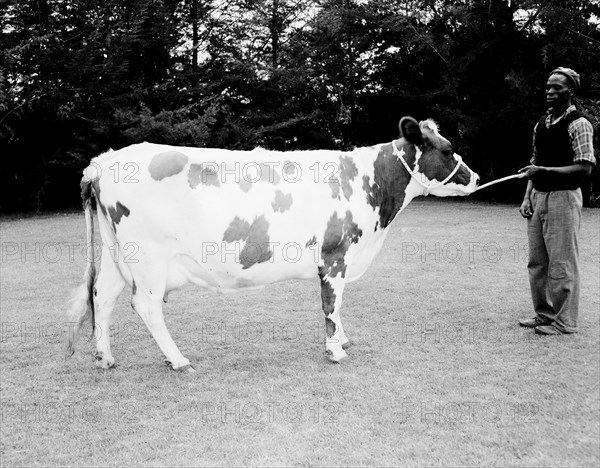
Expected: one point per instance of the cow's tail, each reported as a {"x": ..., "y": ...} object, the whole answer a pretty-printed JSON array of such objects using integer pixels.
[{"x": 81, "y": 309}]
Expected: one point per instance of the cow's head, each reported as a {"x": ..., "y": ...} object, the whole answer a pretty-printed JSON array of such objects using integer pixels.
[{"x": 435, "y": 166}]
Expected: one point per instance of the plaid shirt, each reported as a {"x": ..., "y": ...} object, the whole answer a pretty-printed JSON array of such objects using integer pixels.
[{"x": 581, "y": 134}]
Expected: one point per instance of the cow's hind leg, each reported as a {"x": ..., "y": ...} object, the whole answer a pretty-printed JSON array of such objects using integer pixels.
[
  {"x": 109, "y": 285},
  {"x": 147, "y": 302},
  {"x": 332, "y": 289}
]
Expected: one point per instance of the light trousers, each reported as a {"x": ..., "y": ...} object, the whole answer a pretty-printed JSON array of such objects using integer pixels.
[{"x": 553, "y": 266}]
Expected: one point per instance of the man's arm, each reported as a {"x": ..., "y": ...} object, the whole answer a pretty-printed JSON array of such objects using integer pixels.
[
  {"x": 526, "y": 208},
  {"x": 576, "y": 171}
]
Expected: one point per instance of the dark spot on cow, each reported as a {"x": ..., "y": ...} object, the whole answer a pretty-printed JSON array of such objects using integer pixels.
[
  {"x": 311, "y": 241},
  {"x": 237, "y": 230},
  {"x": 390, "y": 180},
  {"x": 167, "y": 164},
  {"x": 95, "y": 292},
  {"x": 282, "y": 201},
  {"x": 348, "y": 171},
  {"x": 133, "y": 288},
  {"x": 269, "y": 174},
  {"x": 376, "y": 225},
  {"x": 117, "y": 213},
  {"x": 329, "y": 327},
  {"x": 245, "y": 185},
  {"x": 334, "y": 185},
  {"x": 256, "y": 249},
  {"x": 165, "y": 297},
  {"x": 351, "y": 229},
  {"x": 256, "y": 236},
  {"x": 328, "y": 300},
  {"x": 369, "y": 191},
  {"x": 339, "y": 235},
  {"x": 206, "y": 175},
  {"x": 462, "y": 176},
  {"x": 194, "y": 175},
  {"x": 210, "y": 177},
  {"x": 289, "y": 169},
  {"x": 333, "y": 233},
  {"x": 327, "y": 292}
]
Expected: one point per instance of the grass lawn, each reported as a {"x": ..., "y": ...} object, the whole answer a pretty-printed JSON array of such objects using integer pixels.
[{"x": 439, "y": 372}]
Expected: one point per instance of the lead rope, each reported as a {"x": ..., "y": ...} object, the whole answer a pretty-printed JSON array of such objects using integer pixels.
[
  {"x": 497, "y": 181},
  {"x": 428, "y": 187}
]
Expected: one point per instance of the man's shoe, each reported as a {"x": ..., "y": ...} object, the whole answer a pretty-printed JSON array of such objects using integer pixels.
[
  {"x": 547, "y": 330},
  {"x": 532, "y": 322}
]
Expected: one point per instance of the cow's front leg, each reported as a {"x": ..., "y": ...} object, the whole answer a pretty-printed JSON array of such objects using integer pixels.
[{"x": 332, "y": 289}]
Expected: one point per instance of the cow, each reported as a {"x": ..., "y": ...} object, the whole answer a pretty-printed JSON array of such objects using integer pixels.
[{"x": 229, "y": 220}]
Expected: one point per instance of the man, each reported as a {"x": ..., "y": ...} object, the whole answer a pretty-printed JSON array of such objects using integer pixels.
[{"x": 563, "y": 156}]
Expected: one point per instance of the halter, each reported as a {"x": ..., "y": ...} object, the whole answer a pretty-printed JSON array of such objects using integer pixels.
[{"x": 428, "y": 187}]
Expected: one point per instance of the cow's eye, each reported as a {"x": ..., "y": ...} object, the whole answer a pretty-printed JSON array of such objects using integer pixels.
[{"x": 448, "y": 153}]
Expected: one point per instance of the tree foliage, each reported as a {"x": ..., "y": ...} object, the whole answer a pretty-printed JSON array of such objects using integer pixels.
[{"x": 78, "y": 77}]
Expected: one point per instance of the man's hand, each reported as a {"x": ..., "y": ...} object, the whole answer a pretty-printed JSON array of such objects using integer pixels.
[
  {"x": 526, "y": 209},
  {"x": 529, "y": 172}
]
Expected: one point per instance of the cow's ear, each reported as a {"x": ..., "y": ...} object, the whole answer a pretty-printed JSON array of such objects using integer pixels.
[{"x": 409, "y": 129}]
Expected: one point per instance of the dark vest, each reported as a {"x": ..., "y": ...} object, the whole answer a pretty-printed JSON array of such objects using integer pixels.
[{"x": 554, "y": 149}]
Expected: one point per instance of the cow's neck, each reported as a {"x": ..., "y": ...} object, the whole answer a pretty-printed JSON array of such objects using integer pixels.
[{"x": 388, "y": 189}]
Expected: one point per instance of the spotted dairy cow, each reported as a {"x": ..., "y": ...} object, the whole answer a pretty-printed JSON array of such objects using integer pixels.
[{"x": 229, "y": 220}]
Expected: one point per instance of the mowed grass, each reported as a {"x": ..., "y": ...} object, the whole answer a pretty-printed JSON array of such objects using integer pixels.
[{"x": 439, "y": 373}]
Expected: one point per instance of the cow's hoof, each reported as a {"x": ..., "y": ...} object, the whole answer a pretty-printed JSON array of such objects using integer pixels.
[
  {"x": 336, "y": 357},
  {"x": 69, "y": 352},
  {"x": 347, "y": 344},
  {"x": 102, "y": 362},
  {"x": 188, "y": 368}
]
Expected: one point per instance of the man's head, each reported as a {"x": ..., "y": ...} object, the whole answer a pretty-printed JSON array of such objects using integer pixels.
[{"x": 561, "y": 86}]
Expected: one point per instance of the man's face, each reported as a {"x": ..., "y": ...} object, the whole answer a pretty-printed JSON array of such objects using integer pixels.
[{"x": 558, "y": 91}]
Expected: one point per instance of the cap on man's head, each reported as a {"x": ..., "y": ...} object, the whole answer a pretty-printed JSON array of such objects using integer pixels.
[{"x": 571, "y": 75}]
